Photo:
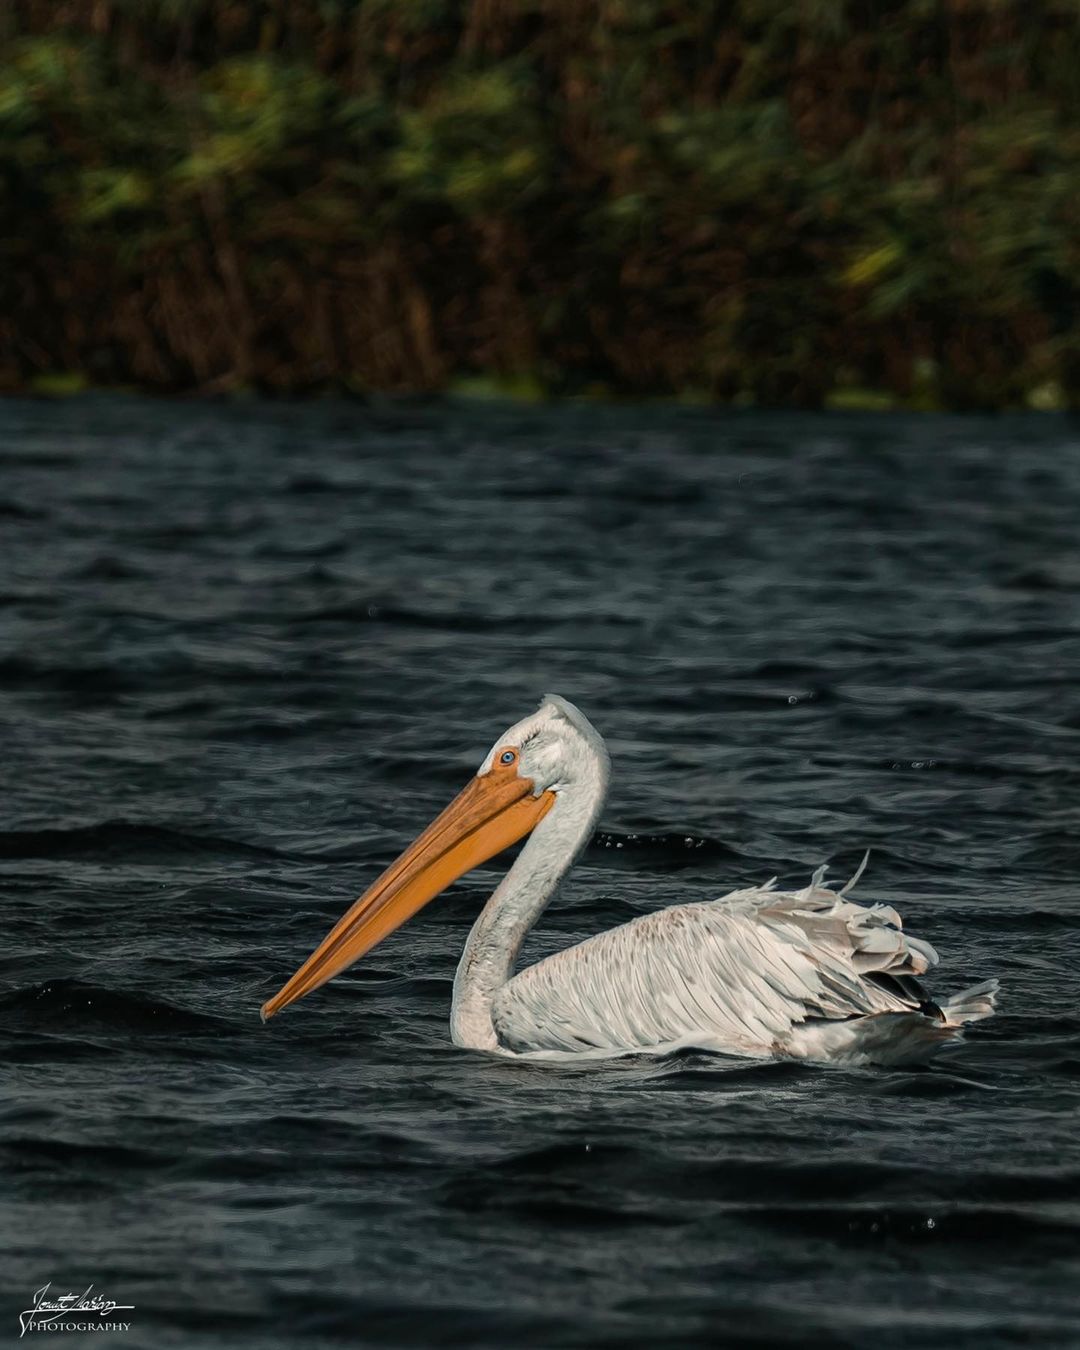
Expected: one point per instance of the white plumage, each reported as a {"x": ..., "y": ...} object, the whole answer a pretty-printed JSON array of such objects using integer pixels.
[{"x": 760, "y": 972}]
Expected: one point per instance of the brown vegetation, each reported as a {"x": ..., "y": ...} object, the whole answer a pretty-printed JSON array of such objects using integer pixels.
[{"x": 769, "y": 201}]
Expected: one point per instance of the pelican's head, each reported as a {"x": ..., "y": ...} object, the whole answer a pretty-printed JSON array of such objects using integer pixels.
[
  {"x": 556, "y": 747},
  {"x": 552, "y": 751}
]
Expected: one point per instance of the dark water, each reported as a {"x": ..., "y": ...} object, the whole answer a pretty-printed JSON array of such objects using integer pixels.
[{"x": 246, "y": 654}]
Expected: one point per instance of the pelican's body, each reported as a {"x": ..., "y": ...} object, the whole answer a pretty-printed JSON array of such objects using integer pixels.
[{"x": 759, "y": 972}]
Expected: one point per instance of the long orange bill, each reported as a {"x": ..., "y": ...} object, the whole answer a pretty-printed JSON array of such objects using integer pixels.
[{"x": 494, "y": 811}]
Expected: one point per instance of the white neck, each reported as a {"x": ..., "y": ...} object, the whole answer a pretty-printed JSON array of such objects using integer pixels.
[{"x": 518, "y": 901}]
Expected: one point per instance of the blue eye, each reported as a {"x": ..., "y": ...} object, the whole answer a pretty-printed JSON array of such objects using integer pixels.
[{"x": 507, "y": 757}]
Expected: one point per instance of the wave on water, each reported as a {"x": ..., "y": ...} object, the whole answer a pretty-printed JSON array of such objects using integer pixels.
[
  {"x": 248, "y": 648},
  {"x": 60, "y": 1005},
  {"x": 128, "y": 841}
]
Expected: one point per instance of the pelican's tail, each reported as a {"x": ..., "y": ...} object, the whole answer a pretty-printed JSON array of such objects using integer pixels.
[
  {"x": 971, "y": 1005},
  {"x": 893, "y": 1038}
]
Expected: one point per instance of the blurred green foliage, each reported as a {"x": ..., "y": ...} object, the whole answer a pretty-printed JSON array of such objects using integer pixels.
[{"x": 784, "y": 202}]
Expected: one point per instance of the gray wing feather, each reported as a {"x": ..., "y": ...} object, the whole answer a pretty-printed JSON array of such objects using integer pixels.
[{"x": 736, "y": 973}]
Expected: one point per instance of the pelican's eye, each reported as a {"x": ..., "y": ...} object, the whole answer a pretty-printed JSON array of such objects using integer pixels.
[{"x": 508, "y": 757}]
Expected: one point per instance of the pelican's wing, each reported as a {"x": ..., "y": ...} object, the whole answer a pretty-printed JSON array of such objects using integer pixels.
[{"x": 736, "y": 974}]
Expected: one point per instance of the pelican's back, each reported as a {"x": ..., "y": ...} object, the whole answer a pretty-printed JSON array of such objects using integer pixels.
[{"x": 807, "y": 974}]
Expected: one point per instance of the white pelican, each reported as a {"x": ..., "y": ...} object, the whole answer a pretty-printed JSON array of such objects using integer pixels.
[{"x": 759, "y": 972}]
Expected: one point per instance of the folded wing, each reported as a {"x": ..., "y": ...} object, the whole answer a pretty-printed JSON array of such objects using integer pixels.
[{"x": 736, "y": 974}]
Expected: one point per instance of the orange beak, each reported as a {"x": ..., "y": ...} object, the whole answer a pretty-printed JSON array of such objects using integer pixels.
[{"x": 494, "y": 811}]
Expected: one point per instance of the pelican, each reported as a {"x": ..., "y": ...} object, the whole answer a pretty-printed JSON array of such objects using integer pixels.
[{"x": 760, "y": 972}]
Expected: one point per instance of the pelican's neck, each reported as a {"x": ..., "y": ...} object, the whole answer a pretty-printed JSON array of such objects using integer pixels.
[{"x": 517, "y": 902}]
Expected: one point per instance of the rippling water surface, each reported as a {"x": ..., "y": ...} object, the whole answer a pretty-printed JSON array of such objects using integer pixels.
[{"x": 247, "y": 653}]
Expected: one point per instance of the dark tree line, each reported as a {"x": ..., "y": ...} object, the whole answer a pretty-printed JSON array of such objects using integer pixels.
[{"x": 775, "y": 201}]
